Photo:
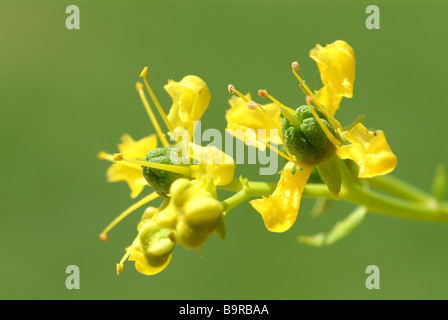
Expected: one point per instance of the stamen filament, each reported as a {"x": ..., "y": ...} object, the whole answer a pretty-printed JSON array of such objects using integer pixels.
[
  {"x": 143, "y": 74},
  {"x": 302, "y": 84},
  {"x": 280, "y": 153},
  {"x": 308, "y": 92},
  {"x": 242, "y": 96},
  {"x": 151, "y": 114},
  {"x": 327, "y": 132},
  {"x": 261, "y": 109},
  {"x": 281, "y": 105},
  {"x": 186, "y": 171},
  {"x": 125, "y": 213},
  {"x": 291, "y": 117},
  {"x": 107, "y": 156}
]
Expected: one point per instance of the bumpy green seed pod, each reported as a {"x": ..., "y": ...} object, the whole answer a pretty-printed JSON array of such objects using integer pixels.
[
  {"x": 160, "y": 180},
  {"x": 305, "y": 139}
]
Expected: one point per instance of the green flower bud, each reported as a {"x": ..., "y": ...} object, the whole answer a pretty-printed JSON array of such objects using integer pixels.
[
  {"x": 200, "y": 219},
  {"x": 161, "y": 180},
  {"x": 156, "y": 243},
  {"x": 305, "y": 139}
]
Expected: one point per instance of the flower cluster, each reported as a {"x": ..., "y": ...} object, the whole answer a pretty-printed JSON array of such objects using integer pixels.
[
  {"x": 190, "y": 211},
  {"x": 312, "y": 136},
  {"x": 187, "y": 175}
]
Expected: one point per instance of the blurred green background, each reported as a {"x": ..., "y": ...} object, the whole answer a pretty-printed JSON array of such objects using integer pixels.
[{"x": 68, "y": 94}]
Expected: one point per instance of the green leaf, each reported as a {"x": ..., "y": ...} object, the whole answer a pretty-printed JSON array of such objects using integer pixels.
[
  {"x": 340, "y": 230},
  {"x": 220, "y": 229},
  {"x": 330, "y": 172},
  {"x": 439, "y": 183}
]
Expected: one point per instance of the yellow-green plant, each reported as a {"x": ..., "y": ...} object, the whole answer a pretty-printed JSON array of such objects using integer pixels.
[{"x": 324, "y": 160}]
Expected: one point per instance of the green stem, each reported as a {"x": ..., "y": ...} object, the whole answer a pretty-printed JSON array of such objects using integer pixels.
[
  {"x": 399, "y": 188},
  {"x": 398, "y": 199},
  {"x": 430, "y": 210}
]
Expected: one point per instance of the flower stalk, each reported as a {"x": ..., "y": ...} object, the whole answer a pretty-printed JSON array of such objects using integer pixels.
[{"x": 383, "y": 195}]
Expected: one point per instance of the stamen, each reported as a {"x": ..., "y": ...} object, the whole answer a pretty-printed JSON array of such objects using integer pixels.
[
  {"x": 232, "y": 89},
  {"x": 120, "y": 265},
  {"x": 107, "y": 156},
  {"x": 308, "y": 92},
  {"x": 117, "y": 157},
  {"x": 327, "y": 132},
  {"x": 280, "y": 153},
  {"x": 251, "y": 105},
  {"x": 125, "y": 213},
  {"x": 262, "y": 93},
  {"x": 291, "y": 117},
  {"x": 153, "y": 119},
  {"x": 265, "y": 94},
  {"x": 143, "y": 75},
  {"x": 261, "y": 109},
  {"x": 295, "y": 65},
  {"x": 186, "y": 171}
]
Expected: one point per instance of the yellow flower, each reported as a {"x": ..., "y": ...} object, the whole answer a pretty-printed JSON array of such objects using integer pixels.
[
  {"x": 132, "y": 174},
  {"x": 191, "y": 215},
  {"x": 336, "y": 64},
  {"x": 191, "y": 98},
  {"x": 151, "y": 250},
  {"x": 245, "y": 124},
  {"x": 304, "y": 141}
]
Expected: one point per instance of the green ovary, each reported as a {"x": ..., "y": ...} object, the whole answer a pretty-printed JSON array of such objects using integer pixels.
[{"x": 308, "y": 142}]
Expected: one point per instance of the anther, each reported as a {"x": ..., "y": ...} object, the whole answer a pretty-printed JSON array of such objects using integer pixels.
[
  {"x": 120, "y": 267},
  {"x": 295, "y": 65},
  {"x": 231, "y": 88},
  {"x": 263, "y": 93},
  {"x": 104, "y": 237},
  {"x": 309, "y": 99},
  {"x": 251, "y": 105},
  {"x": 118, "y": 157},
  {"x": 144, "y": 72}
]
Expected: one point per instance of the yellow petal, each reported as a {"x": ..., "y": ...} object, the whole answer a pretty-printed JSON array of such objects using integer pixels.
[
  {"x": 336, "y": 64},
  {"x": 142, "y": 266},
  {"x": 244, "y": 123},
  {"x": 191, "y": 93},
  {"x": 137, "y": 149},
  {"x": 214, "y": 163},
  {"x": 280, "y": 209},
  {"x": 120, "y": 171},
  {"x": 132, "y": 175},
  {"x": 369, "y": 150}
]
